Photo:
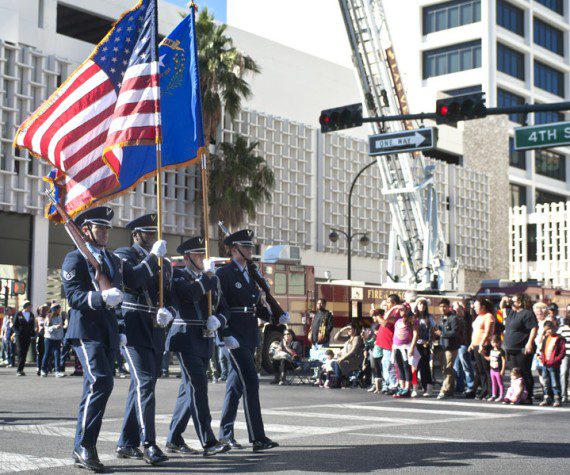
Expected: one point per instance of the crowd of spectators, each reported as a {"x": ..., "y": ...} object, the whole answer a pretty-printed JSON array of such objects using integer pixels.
[{"x": 469, "y": 349}]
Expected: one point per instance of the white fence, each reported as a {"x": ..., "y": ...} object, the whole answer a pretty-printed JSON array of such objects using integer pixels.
[{"x": 540, "y": 244}]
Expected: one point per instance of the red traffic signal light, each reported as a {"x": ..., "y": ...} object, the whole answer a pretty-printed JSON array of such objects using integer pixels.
[
  {"x": 340, "y": 118},
  {"x": 18, "y": 287},
  {"x": 465, "y": 107}
]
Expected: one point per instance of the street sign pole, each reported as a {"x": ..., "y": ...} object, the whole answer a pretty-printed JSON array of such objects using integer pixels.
[
  {"x": 542, "y": 136},
  {"x": 403, "y": 141}
]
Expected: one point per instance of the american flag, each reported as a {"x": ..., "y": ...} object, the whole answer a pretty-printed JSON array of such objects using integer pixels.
[{"x": 111, "y": 101}]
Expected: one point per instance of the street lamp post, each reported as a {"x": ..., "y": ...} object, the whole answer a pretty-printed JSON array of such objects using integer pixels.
[{"x": 364, "y": 240}]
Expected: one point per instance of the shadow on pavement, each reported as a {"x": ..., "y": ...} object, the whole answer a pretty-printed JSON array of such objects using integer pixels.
[{"x": 359, "y": 458}]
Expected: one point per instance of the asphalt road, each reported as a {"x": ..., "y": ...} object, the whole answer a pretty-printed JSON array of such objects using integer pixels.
[{"x": 320, "y": 431}]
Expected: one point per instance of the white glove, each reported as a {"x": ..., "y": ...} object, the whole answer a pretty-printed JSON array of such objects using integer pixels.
[
  {"x": 230, "y": 342},
  {"x": 213, "y": 323},
  {"x": 209, "y": 265},
  {"x": 122, "y": 340},
  {"x": 163, "y": 317},
  {"x": 112, "y": 297},
  {"x": 159, "y": 248},
  {"x": 284, "y": 319}
]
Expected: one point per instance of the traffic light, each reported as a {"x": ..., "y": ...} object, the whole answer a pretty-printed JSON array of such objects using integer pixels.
[
  {"x": 18, "y": 287},
  {"x": 340, "y": 118},
  {"x": 453, "y": 109}
]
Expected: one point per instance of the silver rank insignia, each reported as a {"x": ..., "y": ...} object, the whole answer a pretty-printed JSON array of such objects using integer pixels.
[
  {"x": 68, "y": 275},
  {"x": 238, "y": 285}
]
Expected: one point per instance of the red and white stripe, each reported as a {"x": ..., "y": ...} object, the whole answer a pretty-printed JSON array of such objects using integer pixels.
[{"x": 84, "y": 117}]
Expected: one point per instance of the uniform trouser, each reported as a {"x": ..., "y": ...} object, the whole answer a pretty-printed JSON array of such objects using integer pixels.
[
  {"x": 138, "y": 424},
  {"x": 192, "y": 401},
  {"x": 23, "y": 347},
  {"x": 97, "y": 360},
  {"x": 242, "y": 379}
]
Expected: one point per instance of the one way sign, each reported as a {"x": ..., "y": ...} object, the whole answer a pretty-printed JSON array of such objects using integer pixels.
[{"x": 404, "y": 141}]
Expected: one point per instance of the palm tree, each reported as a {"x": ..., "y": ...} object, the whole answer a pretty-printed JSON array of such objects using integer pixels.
[
  {"x": 222, "y": 71},
  {"x": 239, "y": 181}
]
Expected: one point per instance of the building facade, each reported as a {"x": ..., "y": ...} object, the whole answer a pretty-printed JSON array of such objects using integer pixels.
[
  {"x": 516, "y": 51},
  {"x": 43, "y": 41}
]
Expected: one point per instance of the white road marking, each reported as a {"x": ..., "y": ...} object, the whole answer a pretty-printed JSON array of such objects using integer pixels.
[
  {"x": 352, "y": 417},
  {"x": 412, "y": 410},
  {"x": 12, "y": 462},
  {"x": 417, "y": 437},
  {"x": 508, "y": 407}
]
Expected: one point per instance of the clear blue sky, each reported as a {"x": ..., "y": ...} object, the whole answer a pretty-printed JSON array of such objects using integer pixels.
[{"x": 217, "y": 7}]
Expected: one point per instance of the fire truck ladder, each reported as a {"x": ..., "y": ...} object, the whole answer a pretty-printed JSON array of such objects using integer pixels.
[{"x": 407, "y": 183}]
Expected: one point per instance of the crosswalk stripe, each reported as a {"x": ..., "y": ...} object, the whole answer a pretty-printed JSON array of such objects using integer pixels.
[
  {"x": 508, "y": 407},
  {"x": 12, "y": 462},
  {"x": 352, "y": 417},
  {"x": 408, "y": 409},
  {"x": 417, "y": 437}
]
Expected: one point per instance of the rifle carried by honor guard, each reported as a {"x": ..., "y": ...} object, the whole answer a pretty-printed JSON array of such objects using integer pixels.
[{"x": 276, "y": 310}]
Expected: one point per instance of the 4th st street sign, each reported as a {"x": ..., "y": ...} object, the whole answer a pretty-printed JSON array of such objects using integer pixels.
[
  {"x": 542, "y": 136},
  {"x": 404, "y": 141}
]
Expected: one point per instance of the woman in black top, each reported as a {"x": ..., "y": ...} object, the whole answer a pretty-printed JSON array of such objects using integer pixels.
[
  {"x": 286, "y": 358},
  {"x": 520, "y": 331}
]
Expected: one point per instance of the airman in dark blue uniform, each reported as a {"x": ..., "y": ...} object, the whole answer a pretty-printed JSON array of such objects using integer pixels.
[
  {"x": 93, "y": 328},
  {"x": 191, "y": 339},
  {"x": 146, "y": 334},
  {"x": 241, "y": 338}
]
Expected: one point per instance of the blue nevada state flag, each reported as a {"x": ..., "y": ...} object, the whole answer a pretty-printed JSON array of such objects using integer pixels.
[{"x": 180, "y": 106}]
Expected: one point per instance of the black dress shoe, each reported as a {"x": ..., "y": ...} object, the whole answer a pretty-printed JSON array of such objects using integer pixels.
[
  {"x": 129, "y": 453},
  {"x": 153, "y": 455},
  {"x": 180, "y": 449},
  {"x": 264, "y": 444},
  {"x": 232, "y": 443},
  {"x": 86, "y": 457},
  {"x": 215, "y": 448}
]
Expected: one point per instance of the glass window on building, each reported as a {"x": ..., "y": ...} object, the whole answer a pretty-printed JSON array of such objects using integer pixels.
[
  {"x": 542, "y": 197},
  {"x": 518, "y": 195},
  {"x": 517, "y": 158},
  {"x": 548, "y": 37},
  {"x": 507, "y": 99},
  {"x": 548, "y": 78},
  {"x": 548, "y": 117},
  {"x": 550, "y": 164},
  {"x": 510, "y": 17},
  {"x": 510, "y": 61},
  {"x": 452, "y": 59},
  {"x": 555, "y": 5},
  {"x": 451, "y": 15}
]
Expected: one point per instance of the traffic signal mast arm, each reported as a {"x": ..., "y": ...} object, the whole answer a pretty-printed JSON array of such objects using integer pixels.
[{"x": 522, "y": 109}]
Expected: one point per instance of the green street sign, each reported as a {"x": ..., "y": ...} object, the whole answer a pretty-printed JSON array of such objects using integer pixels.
[{"x": 542, "y": 136}]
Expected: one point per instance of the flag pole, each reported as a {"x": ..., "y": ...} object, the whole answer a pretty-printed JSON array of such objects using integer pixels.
[
  {"x": 204, "y": 172},
  {"x": 206, "y": 211},
  {"x": 157, "y": 122},
  {"x": 159, "y": 220}
]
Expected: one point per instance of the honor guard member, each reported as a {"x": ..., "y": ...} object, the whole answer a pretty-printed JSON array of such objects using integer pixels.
[
  {"x": 191, "y": 339},
  {"x": 146, "y": 334},
  {"x": 93, "y": 328},
  {"x": 243, "y": 297}
]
